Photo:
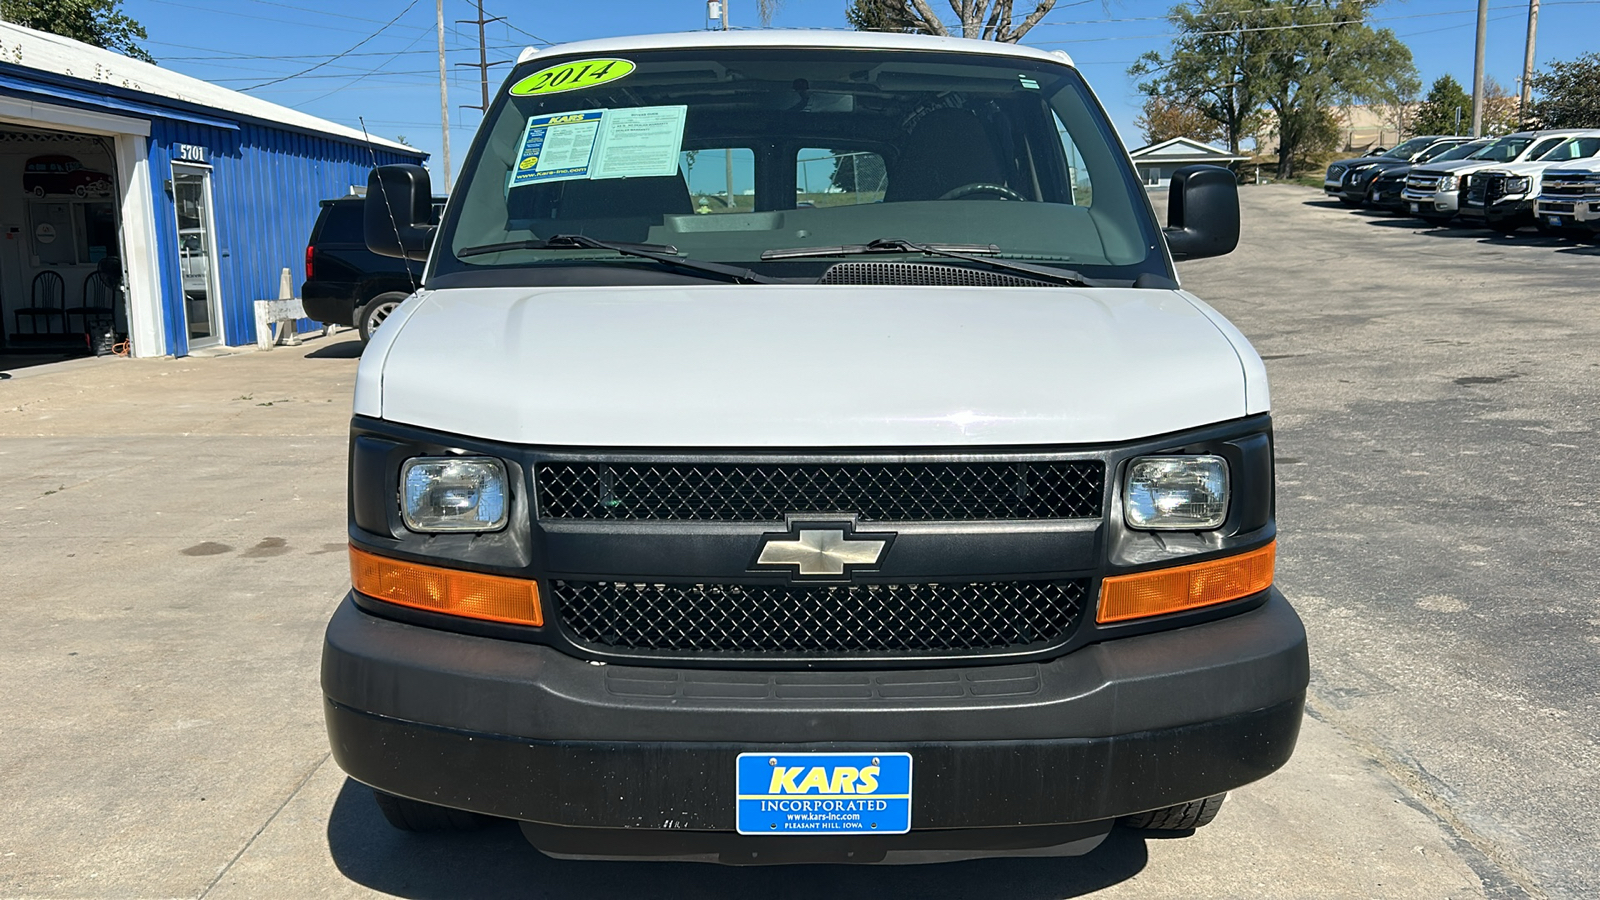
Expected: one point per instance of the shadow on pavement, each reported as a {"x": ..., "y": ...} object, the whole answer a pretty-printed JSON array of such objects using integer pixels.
[
  {"x": 1580, "y": 249},
  {"x": 341, "y": 350},
  {"x": 28, "y": 360},
  {"x": 497, "y": 862}
]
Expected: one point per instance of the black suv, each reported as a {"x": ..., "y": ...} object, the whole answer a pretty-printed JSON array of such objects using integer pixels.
[{"x": 347, "y": 284}]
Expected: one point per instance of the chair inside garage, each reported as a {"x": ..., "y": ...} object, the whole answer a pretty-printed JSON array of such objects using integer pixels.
[
  {"x": 48, "y": 301},
  {"x": 97, "y": 309}
]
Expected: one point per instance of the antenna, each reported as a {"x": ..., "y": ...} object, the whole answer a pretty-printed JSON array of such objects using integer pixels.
[{"x": 393, "y": 222}]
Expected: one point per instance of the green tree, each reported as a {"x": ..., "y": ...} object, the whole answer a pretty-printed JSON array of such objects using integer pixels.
[
  {"x": 879, "y": 15},
  {"x": 1437, "y": 113},
  {"x": 1163, "y": 119},
  {"x": 1568, "y": 93},
  {"x": 1211, "y": 66},
  {"x": 989, "y": 20},
  {"x": 1293, "y": 58},
  {"x": 1317, "y": 54},
  {"x": 98, "y": 22}
]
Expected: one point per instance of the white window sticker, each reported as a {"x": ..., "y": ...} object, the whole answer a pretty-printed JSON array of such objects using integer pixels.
[
  {"x": 600, "y": 143},
  {"x": 641, "y": 143}
]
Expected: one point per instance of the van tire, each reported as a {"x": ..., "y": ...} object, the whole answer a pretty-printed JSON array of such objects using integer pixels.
[
  {"x": 1181, "y": 817},
  {"x": 415, "y": 816},
  {"x": 370, "y": 316}
]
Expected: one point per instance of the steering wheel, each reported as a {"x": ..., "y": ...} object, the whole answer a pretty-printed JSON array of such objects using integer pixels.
[{"x": 981, "y": 187}]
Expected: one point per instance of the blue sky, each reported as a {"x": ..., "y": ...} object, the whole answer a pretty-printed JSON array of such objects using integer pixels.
[{"x": 392, "y": 78}]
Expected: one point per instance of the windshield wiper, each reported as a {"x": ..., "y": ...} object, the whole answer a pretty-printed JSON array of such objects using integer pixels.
[
  {"x": 665, "y": 254},
  {"x": 950, "y": 251},
  {"x": 881, "y": 245}
]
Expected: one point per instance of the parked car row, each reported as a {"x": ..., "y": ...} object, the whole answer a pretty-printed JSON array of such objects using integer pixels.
[{"x": 1550, "y": 179}]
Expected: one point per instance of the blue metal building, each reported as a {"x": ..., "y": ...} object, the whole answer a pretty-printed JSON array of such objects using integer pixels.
[{"x": 203, "y": 194}]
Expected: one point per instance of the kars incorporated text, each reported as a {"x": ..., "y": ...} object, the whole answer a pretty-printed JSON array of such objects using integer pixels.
[{"x": 824, "y": 805}]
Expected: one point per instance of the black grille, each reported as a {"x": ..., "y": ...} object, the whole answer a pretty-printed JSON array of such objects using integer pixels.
[
  {"x": 924, "y": 275},
  {"x": 1483, "y": 190},
  {"x": 819, "y": 619},
  {"x": 765, "y": 492}
]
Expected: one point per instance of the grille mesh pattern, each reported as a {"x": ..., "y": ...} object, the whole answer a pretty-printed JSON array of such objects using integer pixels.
[
  {"x": 819, "y": 619},
  {"x": 923, "y": 274},
  {"x": 765, "y": 492}
]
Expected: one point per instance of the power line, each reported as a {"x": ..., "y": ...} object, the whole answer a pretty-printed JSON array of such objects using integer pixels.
[
  {"x": 243, "y": 15},
  {"x": 375, "y": 69},
  {"x": 1291, "y": 26},
  {"x": 319, "y": 65},
  {"x": 324, "y": 12}
]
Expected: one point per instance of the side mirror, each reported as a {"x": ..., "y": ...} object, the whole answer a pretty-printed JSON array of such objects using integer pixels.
[
  {"x": 398, "y": 212},
  {"x": 1202, "y": 212}
]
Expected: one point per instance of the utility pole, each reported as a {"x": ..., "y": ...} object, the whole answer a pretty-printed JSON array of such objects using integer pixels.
[
  {"x": 1524, "y": 109},
  {"x": 444, "y": 99},
  {"x": 1477, "y": 69},
  {"x": 483, "y": 65},
  {"x": 727, "y": 155}
]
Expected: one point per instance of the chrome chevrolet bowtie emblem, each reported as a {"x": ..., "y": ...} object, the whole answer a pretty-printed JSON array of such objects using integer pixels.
[{"x": 821, "y": 550}]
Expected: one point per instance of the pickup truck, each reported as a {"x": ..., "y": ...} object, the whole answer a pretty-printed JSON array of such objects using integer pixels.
[
  {"x": 801, "y": 449},
  {"x": 1433, "y": 192},
  {"x": 1502, "y": 197},
  {"x": 1569, "y": 199}
]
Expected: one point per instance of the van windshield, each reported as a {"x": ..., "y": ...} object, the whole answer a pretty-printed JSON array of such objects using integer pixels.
[{"x": 720, "y": 155}]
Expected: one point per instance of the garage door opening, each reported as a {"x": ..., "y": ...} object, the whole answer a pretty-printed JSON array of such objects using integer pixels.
[{"x": 59, "y": 218}]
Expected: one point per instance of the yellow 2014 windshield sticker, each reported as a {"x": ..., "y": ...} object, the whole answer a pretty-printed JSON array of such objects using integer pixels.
[{"x": 573, "y": 76}]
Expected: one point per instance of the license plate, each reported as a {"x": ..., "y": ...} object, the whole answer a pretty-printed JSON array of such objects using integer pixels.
[
  {"x": 1555, "y": 220},
  {"x": 823, "y": 793},
  {"x": 1416, "y": 207}
]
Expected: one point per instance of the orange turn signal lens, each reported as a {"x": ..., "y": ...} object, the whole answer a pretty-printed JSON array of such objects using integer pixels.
[
  {"x": 453, "y": 591},
  {"x": 1163, "y": 591}
]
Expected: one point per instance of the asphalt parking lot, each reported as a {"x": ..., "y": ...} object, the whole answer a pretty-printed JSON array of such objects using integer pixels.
[{"x": 175, "y": 542}]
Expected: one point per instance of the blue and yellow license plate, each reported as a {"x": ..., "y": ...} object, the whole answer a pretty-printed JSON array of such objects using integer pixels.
[{"x": 824, "y": 793}]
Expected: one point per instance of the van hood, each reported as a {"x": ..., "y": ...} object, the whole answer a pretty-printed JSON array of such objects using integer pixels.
[{"x": 807, "y": 366}]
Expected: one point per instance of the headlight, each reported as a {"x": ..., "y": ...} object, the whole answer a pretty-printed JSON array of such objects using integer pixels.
[
  {"x": 1519, "y": 184},
  {"x": 453, "y": 493},
  {"x": 1176, "y": 493},
  {"x": 1448, "y": 183}
]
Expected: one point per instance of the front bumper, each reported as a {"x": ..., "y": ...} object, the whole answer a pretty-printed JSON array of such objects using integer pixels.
[
  {"x": 1443, "y": 204},
  {"x": 1569, "y": 213},
  {"x": 1500, "y": 211},
  {"x": 526, "y": 732}
]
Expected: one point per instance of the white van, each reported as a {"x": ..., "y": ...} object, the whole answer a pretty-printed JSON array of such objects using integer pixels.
[{"x": 801, "y": 450}]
